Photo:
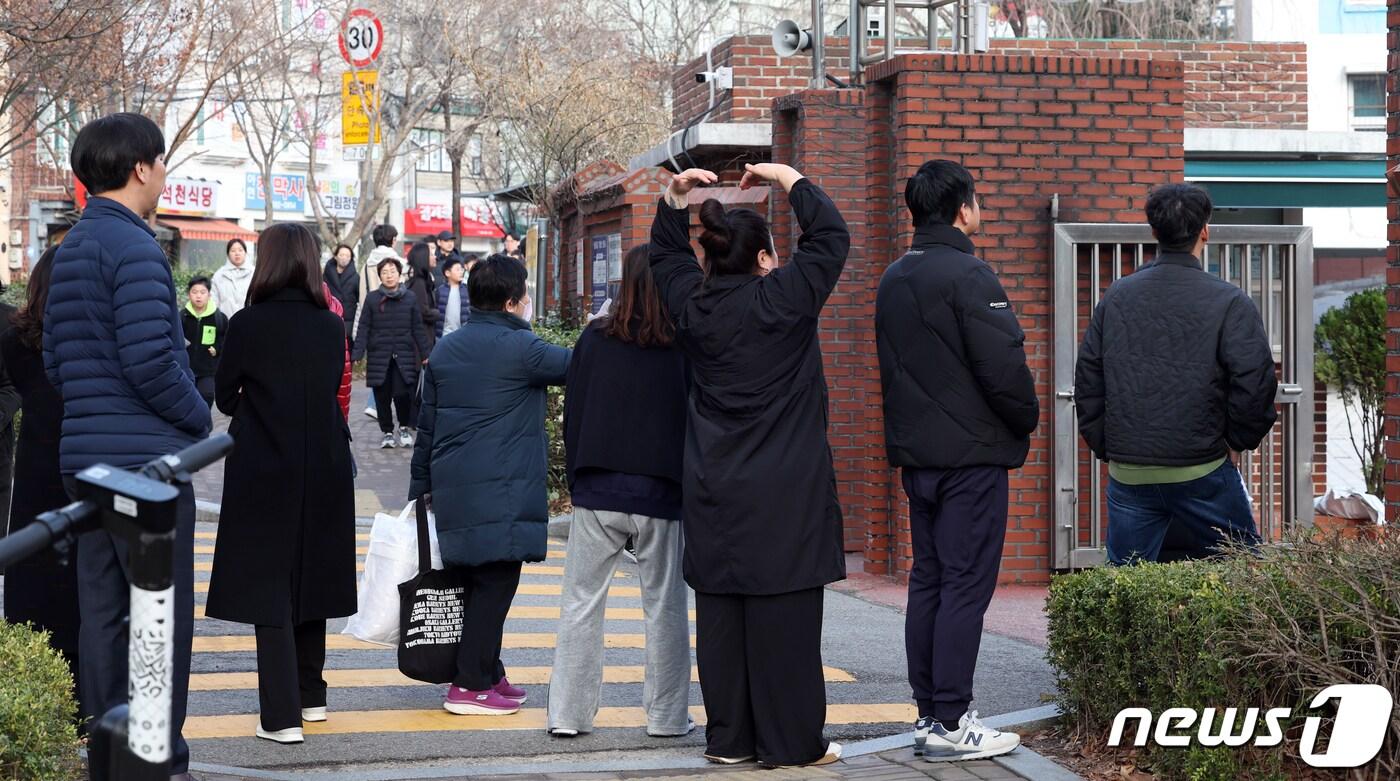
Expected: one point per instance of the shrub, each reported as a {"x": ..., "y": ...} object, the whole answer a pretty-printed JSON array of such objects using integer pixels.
[
  {"x": 1350, "y": 345},
  {"x": 558, "y": 482},
  {"x": 38, "y": 739},
  {"x": 1265, "y": 630}
]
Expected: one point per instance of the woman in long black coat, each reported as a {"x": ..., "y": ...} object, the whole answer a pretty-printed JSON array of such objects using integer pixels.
[
  {"x": 285, "y": 557},
  {"x": 42, "y": 591},
  {"x": 761, "y": 519},
  {"x": 392, "y": 336}
]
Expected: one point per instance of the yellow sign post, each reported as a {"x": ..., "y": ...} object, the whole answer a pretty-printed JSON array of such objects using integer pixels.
[{"x": 359, "y": 102}]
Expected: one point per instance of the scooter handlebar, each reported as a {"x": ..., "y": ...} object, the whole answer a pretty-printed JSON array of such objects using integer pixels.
[{"x": 191, "y": 459}]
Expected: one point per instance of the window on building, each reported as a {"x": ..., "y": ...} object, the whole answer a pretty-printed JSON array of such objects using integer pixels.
[
  {"x": 55, "y": 134},
  {"x": 1367, "y": 101},
  {"x": 432, "y": 157},
  {"x": 474, "y": 161},
  {"x": 874, "y": 25}
]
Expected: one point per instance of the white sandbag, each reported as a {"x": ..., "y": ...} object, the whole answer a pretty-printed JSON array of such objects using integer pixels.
[
  {"x": 392, "y": 559},
  {"x": 1351, "y": 503}
]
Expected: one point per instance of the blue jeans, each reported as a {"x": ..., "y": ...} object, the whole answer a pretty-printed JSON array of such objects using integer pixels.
[{"x": 1200, "y": 513}]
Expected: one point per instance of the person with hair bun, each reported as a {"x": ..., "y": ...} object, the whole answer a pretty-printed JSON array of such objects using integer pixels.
[{"x": 761, "y": 519}]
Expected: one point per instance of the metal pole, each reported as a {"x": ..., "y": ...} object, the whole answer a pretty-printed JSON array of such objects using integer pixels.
[
  {"x": 1096, "y": 467},
  {"x": 855, "y": 26},
  {"x": 891, "y": 37},
  {"x": 818, "y": 46}
]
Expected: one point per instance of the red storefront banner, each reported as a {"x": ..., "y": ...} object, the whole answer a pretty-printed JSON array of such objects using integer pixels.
[{"x": 427, "y": 219}]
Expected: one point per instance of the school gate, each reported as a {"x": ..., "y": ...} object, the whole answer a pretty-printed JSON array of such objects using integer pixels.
[{"x": 1058, "y": 137}]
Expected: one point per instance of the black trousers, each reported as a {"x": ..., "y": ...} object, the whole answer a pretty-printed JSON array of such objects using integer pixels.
[
  {"x": 104, "y": 603},
  {"x": 395, "y": 391},
  {"x": 489, "y": 590},
  {"x": 291, "y": 659},
  {"x": 205, "y": 386},
  {"x": 761, "y": 676},
  {"x": 958, "y": 524}
]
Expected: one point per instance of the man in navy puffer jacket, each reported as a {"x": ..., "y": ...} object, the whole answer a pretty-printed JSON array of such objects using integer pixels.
[{"x": 115, "y": 351}]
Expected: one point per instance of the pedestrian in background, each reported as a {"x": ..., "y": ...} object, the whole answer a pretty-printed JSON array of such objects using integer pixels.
[
  {"x": 624, "y": 439},
  {"x": 205, "y": 330},
  {"x": 422, "y": 260},
  {"x": 41, "y": 590},
  {"x": 285, "y": 558},
  {"x": 114, "y": 350},
  {"x": 344, "y": 283},
  {"x": 453, "y": 303},
  {"x": 480, "y": 463},
  {"x": 230, "y": 282},
  {"x": 960, "y": 405},
  {"x": 393, "y": 338},
  {"x": 447, "y": 249},
  {"x": 1175, "y": 374},
  {"x": 383, "y": 237},
  {"x": 9, "y": 406},
  {"x": 761, "y": 518}
]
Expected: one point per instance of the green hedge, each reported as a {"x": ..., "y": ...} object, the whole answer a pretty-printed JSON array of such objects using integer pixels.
[
  {"x": 1265, "y": 630},
  {"x": 565, "y": 336},
  {"x": 38, "y": 736}
]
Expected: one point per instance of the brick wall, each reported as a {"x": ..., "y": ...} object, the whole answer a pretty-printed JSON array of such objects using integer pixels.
[
  {"x": 1097, "y": 131},
  {"x": 1227, "y": 84},
  {"x": 822, "y": 133},
  {"x": 1392, "y": 381},
  {"x": 1346, "y": 265}
]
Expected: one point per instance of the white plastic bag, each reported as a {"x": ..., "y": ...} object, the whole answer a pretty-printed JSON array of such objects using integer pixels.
[
  {"x": 1351, "y": 503},
  {"x": 392, "y": 559}
]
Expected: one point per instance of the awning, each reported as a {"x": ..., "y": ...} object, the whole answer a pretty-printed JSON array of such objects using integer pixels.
[
  {"x": 195, "y": 229},
  {"x": 1290, "y": 184}
]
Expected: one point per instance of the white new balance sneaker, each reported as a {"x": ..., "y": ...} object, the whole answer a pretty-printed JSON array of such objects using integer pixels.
[
  {"x": 972, "y": 740},
  {"x": 284, "y": 736}
]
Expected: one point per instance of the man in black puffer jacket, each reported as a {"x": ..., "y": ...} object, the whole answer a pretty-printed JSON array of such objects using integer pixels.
[
  {"x": 960, "y": 405},
  {"x": 1175, "y": 372}
]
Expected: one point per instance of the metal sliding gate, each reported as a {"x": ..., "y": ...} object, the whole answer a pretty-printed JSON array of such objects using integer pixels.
[{"x": 1275, "y": 265}]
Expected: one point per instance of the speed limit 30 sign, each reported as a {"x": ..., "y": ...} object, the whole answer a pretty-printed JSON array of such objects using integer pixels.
[{"x": 361, "y": 38}]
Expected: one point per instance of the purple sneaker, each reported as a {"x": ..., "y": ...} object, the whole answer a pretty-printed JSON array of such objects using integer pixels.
[
  {"x": 486, "y": 703},
  {"x": 504, "y": 689}
]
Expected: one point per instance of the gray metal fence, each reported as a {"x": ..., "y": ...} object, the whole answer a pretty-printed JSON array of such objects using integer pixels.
[{"x": 1275, "y": 265}]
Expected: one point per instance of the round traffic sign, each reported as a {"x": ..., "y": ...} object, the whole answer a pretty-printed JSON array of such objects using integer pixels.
[{"x": 361, "y": 38}]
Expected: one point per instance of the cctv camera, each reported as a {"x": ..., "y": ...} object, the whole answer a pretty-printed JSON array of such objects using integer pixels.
[{"x": 723, "y": 78}]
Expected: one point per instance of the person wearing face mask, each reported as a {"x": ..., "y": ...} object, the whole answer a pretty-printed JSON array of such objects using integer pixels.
[
  {"x": 392, "y": 335},
  {"x": 230, "y": 282},
  {"x": 480, "y": 463},
  {"x": 761, "y": 519}
]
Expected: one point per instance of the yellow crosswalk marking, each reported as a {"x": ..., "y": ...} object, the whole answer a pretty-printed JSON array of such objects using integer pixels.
[
  {"x": 543, "y": 612},
  {"x": 362, "y": 537},
  {"x": 527, "y": 569},
  {"x": 396, "y": 721},
  {"x": 244, "y": 643},
  {"x": 521, "y": 676},
  {"x": 527, "y": 589}
]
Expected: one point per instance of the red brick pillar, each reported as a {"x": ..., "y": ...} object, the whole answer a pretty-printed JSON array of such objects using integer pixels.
[
  {"x": 822, "y": 133},
  {"x": 1096, "y": 131},
  {"x": 1392, "y": 383}
]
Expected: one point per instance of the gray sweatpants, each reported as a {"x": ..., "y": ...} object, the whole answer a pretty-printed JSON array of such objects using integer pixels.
[{"x": 596, "y": 539}]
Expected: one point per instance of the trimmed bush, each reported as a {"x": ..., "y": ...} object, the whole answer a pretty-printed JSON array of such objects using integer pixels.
[
  {"x": 558, "y": 482},
  {"x": 38, "y": 739},
  {"x": 1266, "y": 630}
]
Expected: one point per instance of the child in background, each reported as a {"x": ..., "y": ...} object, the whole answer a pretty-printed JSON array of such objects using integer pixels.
[{"x": 205, "y": 329}]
